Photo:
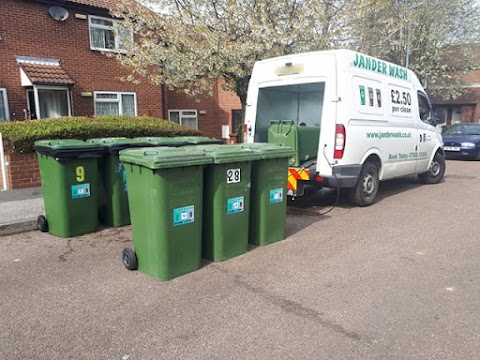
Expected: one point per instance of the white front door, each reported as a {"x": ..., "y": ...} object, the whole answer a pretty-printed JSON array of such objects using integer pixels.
[{"x": 456, "y": 115}]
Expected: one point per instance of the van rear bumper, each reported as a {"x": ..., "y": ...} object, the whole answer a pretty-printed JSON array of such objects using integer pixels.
[{"x": 344, "y": 176}]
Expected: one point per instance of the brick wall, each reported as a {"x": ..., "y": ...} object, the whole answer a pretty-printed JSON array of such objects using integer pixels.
[
  {"x": 467, "y": 114},
  {"x": 213, "y": 111},
  {"x": 473, "y": 114},
  {"x": 22, "y": 171}
]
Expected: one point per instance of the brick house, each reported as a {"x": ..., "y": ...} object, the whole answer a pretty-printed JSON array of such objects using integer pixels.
[
  {"x": 52, "y": 64},
  {"x": 465, "y": 108}
]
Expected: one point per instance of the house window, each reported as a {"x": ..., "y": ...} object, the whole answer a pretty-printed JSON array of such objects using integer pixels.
[
  {"x": 4, "y": 114},
  {"x": 113, "y": 103},
  {"x": 49, "y": 102},
  {"x": 184, "y": 117},
  {"x": 106, "y": 34},
  {"x": 456, "y": 115},
  {"x": 236, "y": 120}
]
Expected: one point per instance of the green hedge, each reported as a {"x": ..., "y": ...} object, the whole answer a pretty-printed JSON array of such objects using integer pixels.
[{"x": 19, "y": 136}]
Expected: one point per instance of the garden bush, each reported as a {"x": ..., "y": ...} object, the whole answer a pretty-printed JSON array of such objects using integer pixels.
[{"x": 19, "y": 136}]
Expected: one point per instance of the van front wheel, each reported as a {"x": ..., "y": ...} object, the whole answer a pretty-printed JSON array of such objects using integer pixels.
[
  {"x": 435, "y": 172},
  {"x": 364, "y": 193}
]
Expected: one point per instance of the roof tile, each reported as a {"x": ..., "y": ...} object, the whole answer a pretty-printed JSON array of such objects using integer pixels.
[
  {"x": 104, "y": 4},
  {"x": 469, "y": 96},
  {"x": 47, "y": 74}
]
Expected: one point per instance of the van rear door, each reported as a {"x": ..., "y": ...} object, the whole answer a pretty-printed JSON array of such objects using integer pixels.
[{"x": 299, "y": 88}]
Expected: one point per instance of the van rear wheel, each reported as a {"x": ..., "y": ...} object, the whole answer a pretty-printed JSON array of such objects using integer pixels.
[
  {"x": 435, "y": 172},
  {"x": 365, "y": 191}
]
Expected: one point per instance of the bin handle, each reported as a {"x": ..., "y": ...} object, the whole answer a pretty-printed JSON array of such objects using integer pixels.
[
  {"x": 150, "y": 152},
  {"x": 288, "y": 124}
]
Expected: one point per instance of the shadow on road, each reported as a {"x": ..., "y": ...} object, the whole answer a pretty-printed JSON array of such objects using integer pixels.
[
  {"x": 327, "y": 197},
  {"x": 396, "y": 186},
  {"x": 316, "y": 206}
]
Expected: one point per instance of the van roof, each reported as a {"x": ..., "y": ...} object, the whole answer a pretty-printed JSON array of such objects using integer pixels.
[{"x": 351, "y": 59}]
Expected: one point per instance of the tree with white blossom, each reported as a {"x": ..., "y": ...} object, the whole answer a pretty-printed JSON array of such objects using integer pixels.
[{"x": 189, "y": 44}]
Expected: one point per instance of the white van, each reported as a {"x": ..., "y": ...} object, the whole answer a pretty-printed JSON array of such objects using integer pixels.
[{"x": 354, "y": 120}]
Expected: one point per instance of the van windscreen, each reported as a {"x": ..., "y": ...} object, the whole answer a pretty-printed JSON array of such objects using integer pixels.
[{"x": 300, "y": 103}]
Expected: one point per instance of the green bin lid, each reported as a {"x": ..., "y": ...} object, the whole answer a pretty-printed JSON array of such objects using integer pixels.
[
  {"x": 163, "y": 141},
  {"x": 195, "y": 140},
  {"x": 64, "y": 144},
  {"x": 115, "y": 144},
  {"x": 164, "y": 157},
  {"x": 68, "y": 148},
  {"x": 269, "y": 151},
  {"x": 222, "y": 154}
]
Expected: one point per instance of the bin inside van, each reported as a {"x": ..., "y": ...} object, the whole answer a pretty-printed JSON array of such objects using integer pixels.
[
  {"x": 302, "y": 139},
  {"x": 291, "y": 115}
]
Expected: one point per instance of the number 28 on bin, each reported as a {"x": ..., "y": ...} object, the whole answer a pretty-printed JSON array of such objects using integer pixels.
[{"x": 233, "y": 176}]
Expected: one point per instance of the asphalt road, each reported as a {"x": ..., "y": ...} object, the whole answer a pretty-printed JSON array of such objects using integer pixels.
[{"x": 397, "y": 280}]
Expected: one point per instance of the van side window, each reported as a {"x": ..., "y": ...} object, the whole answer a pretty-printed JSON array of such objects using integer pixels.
[{"x": 424, "y": 108}]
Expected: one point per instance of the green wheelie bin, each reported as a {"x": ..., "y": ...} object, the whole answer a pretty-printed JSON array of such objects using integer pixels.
[
  {"x": 113, "y": 196},
  {"x": 227, "y": 201},
  {"x": 68, "y": 172},
  {"x": 165, "y": 197},
  {"x": 200, "y": 140},
  {"x": 163, "y": 141},
  {"x": 302, "y": 139},
  {"x": 268, "y": 206}
]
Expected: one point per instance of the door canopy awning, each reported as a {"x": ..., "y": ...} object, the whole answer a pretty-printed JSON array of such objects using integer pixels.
[{"x": 36, "y": 71}]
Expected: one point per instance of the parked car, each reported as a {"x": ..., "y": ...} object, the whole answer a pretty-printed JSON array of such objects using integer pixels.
[{"x": 462, "y": 141}]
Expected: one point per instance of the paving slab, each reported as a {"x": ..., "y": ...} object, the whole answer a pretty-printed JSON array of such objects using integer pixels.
[{"x": 19, "y": 209}]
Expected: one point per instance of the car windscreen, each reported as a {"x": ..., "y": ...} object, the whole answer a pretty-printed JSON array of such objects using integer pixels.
[{"x": 463, "y": 129}]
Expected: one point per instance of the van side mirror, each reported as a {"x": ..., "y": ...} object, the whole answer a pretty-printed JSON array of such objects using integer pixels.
[{"x": 438, "y": 121}]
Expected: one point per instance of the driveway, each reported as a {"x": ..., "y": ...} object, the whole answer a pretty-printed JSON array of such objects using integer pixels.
[{"x": 397, "y": 280}]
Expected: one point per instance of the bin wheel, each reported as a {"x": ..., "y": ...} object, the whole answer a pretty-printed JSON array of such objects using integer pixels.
[
  {"x": 129, "y": 259},
  {"x": 42, "y": 224}
]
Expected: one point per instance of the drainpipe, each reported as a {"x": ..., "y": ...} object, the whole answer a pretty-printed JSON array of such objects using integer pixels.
[
  {"x": 2, "y": 161},
  {"x": 164, "y": 113}
]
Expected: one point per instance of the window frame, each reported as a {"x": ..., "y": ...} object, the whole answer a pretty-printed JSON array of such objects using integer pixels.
[
  {"x": 3, "y": 93},
  {"x": 36, "y": 98},
  {"x": 118, "y": 100},
  {"x": 181, "y": 116},
  {"x": 424, "y": 98},
  {"x": 234, "y": 129},
  {"x": 113, "y": 28}
]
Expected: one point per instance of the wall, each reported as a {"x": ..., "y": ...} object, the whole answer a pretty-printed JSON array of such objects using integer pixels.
[
  {"x": 474, "y": 79},
  {"x": 213, "y": 111},
  {"x": 467, "y": 114},
  {"x": 22, "y": 171}
]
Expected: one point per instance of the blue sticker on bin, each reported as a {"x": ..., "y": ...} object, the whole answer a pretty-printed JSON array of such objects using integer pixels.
[
  {"x": 183, "y": 215},
  {"x": 235, "y": 205},
  {"x": 80, "y": 191},
  {"x": 276, "y": 196},
  {"x": 120, "y": 169},
  {"x": 124, "y": 178}
]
